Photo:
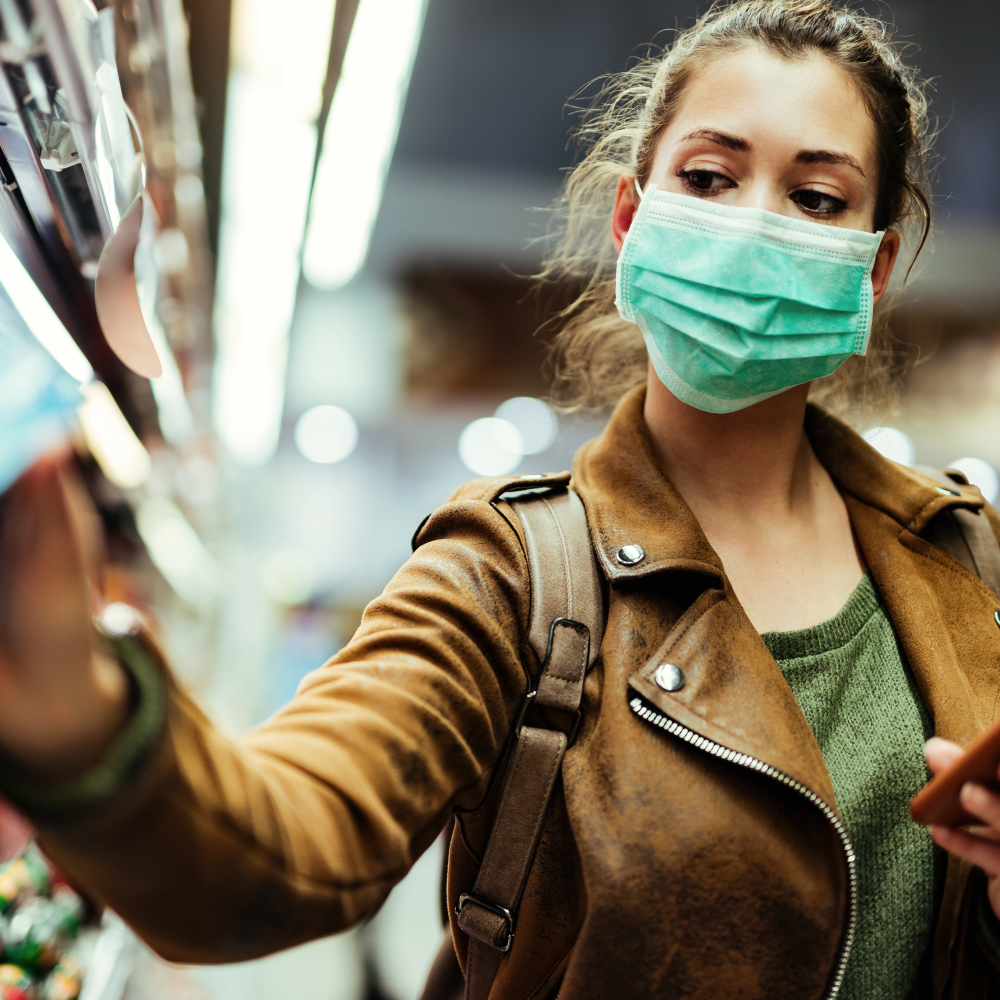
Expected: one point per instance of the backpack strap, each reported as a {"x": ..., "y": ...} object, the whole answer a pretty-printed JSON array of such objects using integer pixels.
[
  {"x": 565, "y": 632},
  {"x": 965, "y": 534}
]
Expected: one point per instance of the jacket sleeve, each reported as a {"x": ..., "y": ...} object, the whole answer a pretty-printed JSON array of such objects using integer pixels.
[{"x": 223, "y": 850}]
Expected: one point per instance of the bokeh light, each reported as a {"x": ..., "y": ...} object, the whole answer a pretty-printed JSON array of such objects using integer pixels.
[
  {"x": 892, "y": 443},
  {"x": 491, "y": 446},
  {"x": 535, "y": 420},
  {"x": 326, "y": 434},
  {"x": 288, "y": 576},
  {"x": 980, "y": 474}
]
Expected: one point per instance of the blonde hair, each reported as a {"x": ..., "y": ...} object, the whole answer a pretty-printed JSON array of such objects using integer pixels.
[{"x": 596, "y": 355}]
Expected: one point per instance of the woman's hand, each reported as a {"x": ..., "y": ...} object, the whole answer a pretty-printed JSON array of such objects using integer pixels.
[
  {"x": 62, "y": 699},
  {"x": 978, "y": 844}
]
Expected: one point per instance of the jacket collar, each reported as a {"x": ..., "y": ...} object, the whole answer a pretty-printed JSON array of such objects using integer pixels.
[
  {"x": 630, "y": 502},
  {"x": 908, "y": 496}
]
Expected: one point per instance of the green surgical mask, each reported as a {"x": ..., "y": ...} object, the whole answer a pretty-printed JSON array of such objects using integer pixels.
[{"x": 738, "y": 304}]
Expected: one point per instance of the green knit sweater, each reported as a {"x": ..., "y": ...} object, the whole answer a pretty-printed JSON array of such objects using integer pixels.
[{"x": 870, "y": 722}]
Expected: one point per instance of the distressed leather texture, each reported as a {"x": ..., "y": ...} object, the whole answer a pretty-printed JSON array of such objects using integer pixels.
[{"x": 662, "y": 871}]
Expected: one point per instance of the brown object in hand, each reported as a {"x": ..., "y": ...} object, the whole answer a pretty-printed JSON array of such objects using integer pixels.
[{"x": 938, "y": 801}]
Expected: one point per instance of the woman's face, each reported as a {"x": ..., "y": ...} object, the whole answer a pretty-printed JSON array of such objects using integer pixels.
[{"x": 759, "y": 131}]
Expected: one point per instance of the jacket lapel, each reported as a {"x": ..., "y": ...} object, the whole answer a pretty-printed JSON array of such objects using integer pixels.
[
  {"x": 942, "y": 614},
  {"x": 939, "y": 613},
  {"x": 734, "y": 694}
]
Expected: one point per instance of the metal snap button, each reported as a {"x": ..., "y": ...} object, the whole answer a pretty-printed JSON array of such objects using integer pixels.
[
  {"x": 629, "y": 555},
  {"x": 669, "y": 677},
  {"x": 996, "y": 617},
  {"x": 947, "y": 492}
]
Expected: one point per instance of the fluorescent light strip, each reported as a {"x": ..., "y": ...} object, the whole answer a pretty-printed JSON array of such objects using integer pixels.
[
  {"x": 111, "y": 440},
  {"x": 39, "y": 315},
  {"x": 275, "y": 87},
  {"x": 178, "y": 552},
  {"x": 359, "y": 138}
]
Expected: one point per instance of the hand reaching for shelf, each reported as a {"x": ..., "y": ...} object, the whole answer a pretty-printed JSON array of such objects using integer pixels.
[{"x": 62, "y": 697}]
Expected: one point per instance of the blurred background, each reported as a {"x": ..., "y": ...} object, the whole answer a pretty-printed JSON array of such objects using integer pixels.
[{"x": 372, "y": 179}]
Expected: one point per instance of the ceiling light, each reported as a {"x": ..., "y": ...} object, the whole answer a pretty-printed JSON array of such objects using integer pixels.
[
  {"x": 359, "y": 138},
  {"x": 288, "y": 576},
  {"x": 491, "y": 446},
  {"x": 326, "y": 434},
  {"x": 892, "y": 443},
  {"x": 111, "y": 440},
  {"x": 178, "y": 552},
  {"x": 275, "y": 86},
  {"x": 535, "y": 420},
  {"x": 980, "y": 474},
  {"x": 39, "y": 315}
]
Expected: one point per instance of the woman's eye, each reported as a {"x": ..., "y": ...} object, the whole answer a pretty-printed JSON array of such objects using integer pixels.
[
  {"x": 706, "y": 181},
  {"x": 818, "y": 203}
]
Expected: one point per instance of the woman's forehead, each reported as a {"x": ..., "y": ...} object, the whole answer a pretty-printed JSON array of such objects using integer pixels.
[{"x": 773, "y": 104}]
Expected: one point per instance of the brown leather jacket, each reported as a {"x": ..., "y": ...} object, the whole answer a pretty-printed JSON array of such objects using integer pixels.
[{"x": 693, "y": 849}]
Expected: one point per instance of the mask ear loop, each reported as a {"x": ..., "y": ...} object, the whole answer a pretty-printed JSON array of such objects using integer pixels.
[{"x": 635, "y": 180}]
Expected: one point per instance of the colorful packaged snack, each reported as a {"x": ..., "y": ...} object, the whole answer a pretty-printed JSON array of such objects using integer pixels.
[
  {"x": 16, "y": 983},
  {"x": 24, "y": 875},
  {"x": 65, "y": 982},
  {"x": 33, "y": 934}
]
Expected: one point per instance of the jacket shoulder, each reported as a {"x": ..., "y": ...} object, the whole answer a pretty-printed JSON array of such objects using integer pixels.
[
  {"x": 492, "y": 488},
  {"x": 476, "y": 499}
]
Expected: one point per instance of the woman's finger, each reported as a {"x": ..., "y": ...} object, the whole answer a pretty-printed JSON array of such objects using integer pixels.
[
  {"x": 44, "y": 598},
  {"x": 976, "y": 850},
  {"x": 986, "y": 832},
  {"x": 941, "y": 753},
  {"x": 983, "y": 803},
  {"x": 85, "y": 523}
]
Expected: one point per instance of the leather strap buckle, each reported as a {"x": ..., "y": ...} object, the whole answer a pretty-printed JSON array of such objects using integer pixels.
[
  {"x": 529, "y": 699},
  {"x": 487, "y": 904}
]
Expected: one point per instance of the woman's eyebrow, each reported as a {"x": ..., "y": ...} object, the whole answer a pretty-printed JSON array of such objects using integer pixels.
[
  {"x": 828, "y": 156},
  {"x": 720, "y": 138}
]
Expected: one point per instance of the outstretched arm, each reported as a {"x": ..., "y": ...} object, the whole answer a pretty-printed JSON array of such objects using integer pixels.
[{"x": 219, "y": 850}]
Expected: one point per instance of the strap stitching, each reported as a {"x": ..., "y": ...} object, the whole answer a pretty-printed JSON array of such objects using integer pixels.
[
  {"x": 564, "y": 552},
  {"x": 568, "y": 681}
]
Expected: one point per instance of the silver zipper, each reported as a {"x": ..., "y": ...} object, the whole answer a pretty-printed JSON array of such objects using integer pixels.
[{"x": 745, "y": 760}]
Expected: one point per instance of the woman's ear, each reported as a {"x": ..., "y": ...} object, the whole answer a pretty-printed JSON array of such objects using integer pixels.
[
  {"x": 625, "y": 205},
  {"x": 885, "y": 260}
]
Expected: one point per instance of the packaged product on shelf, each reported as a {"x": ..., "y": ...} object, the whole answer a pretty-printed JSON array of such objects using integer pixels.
[
  {"x": 26, "y": 874},
  {"x": 40, "y": 924},
  {"x": 33, "y": 935},
  {"x": 65, "y": 982},
  {"x": 16, "y": 983}
]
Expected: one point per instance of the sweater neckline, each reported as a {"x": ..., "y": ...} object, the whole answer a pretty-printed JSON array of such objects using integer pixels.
[{"x": 832, "y": 634}]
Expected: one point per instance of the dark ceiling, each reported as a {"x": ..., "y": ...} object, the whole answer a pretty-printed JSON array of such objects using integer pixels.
[{"x": 491, "y": 81}]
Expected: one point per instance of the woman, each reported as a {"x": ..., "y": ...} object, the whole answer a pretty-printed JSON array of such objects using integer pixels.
[{"x": 740, "y": 833}]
